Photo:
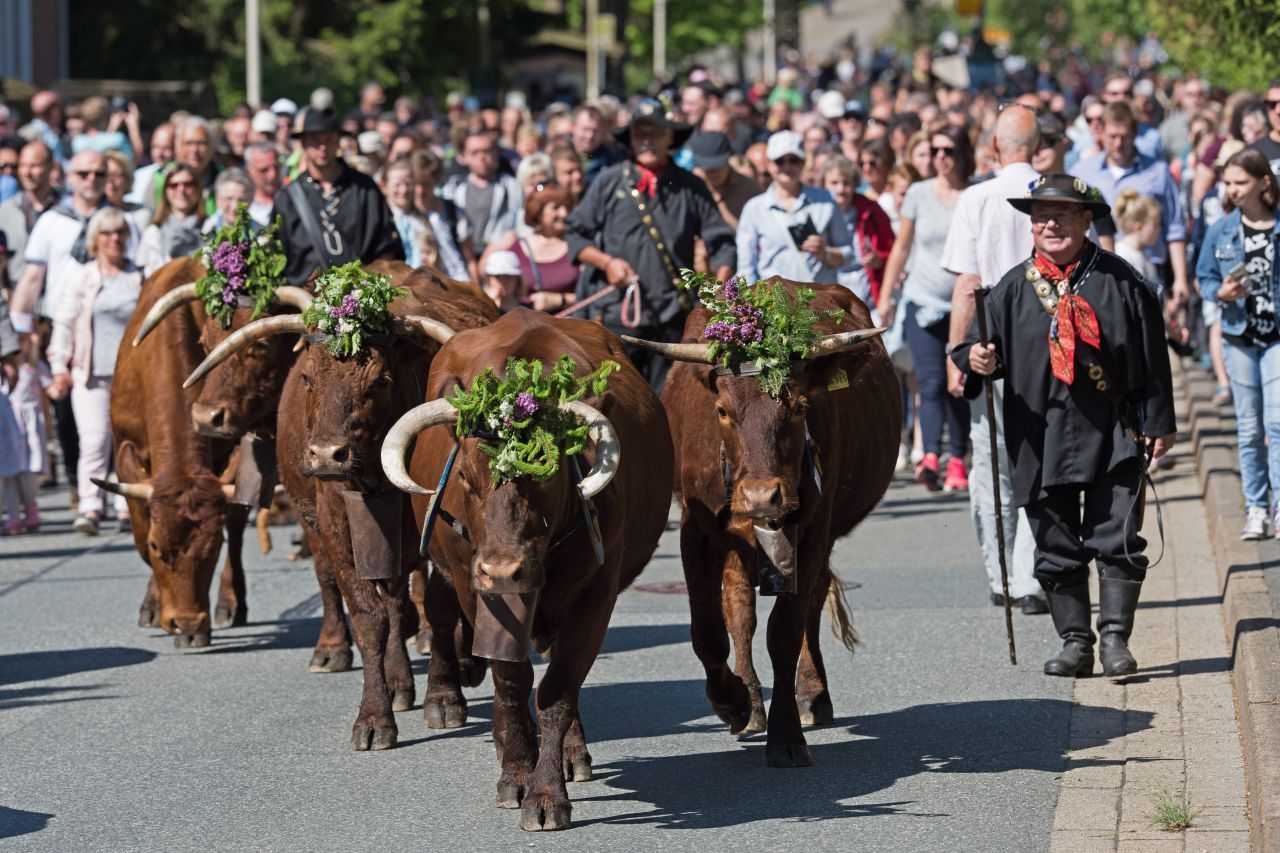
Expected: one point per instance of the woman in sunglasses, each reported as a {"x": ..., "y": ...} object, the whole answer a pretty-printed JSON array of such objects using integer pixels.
[
  {"x": 926, "y": 303},
  {"x": 876, "y": 161},
  {"x": 175, "y": 230}
]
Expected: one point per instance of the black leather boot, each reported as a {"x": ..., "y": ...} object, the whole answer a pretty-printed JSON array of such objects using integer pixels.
[
  {"x": 1117, "y": 602},
  {"x": 1070, "y": 609}
]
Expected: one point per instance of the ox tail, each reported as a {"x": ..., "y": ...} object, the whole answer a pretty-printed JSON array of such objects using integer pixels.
[{"x": 841, "y": 618}]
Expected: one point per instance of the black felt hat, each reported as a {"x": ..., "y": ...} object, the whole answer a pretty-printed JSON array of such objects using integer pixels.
[
  {"x": 316, "y": 121},
  {"x": 1062, "y": 188},
  {"x": 653, "y": 111},
  {"x": 711, "y": 149}
]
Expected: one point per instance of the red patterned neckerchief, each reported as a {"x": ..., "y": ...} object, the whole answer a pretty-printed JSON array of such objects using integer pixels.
[
  {"x": 1071, "y": 316},
  {"x": 647, "y": 183}
]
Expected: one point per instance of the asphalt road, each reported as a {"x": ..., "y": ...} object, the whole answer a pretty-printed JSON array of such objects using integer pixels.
[{"x": 112, "y": 739}]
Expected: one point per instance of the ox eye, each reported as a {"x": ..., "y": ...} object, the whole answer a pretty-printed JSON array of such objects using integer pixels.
[
  {"x": 800, "y": 407},
  {"x": 306, "y": 381},
  {"x": 720, "y": 412}
]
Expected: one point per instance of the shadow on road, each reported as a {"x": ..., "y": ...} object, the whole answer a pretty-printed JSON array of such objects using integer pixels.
[
  {"x": 14, "y": 822},
  {"x": 24, "y": 697},
  {"x": 629, "y": 638},
  {"x": 287, "y": 634},
  {"x": 38, "y": 666},
  {"x": 731, "y": 785}
]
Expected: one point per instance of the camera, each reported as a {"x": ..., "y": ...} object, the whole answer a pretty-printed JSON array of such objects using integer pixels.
[{"x": 119, "y": 104}]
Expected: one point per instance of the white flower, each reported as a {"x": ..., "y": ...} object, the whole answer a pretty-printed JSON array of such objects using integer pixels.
[
  {"x": 346, "y": 327},
  {"x": 493, "y": 422}
]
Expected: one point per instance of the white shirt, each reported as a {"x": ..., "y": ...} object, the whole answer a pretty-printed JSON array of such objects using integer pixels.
[
  {"x": 260, "y": 211},
  {"x": 988, "y": 237},
  {"x": 50, "y": 244}
]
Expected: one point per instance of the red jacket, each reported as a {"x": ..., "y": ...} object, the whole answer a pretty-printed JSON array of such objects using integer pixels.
[{"x": 871, "y": 226}]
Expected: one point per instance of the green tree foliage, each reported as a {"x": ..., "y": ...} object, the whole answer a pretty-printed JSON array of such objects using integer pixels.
[
  {"x": 1233, "y": 43},
  {"x": 410, "y": 46},
  {"x": 692, "y": 27}
]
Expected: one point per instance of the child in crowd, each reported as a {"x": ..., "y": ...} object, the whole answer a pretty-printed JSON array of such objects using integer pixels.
[
  {"x": 26, "y": 438},
  {"x": 1138, "y": 219}
]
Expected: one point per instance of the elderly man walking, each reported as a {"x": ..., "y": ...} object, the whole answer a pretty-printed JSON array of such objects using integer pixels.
[
  {"x": 1078, "y": 338},
  {"x": 987, "y": 237}
]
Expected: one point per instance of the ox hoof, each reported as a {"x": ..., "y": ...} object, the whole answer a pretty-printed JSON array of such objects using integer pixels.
[
  {"x": 190, "y": 641},
  {"x": 755, "y": 725},
  {"x": 439, "y": 715},
  {"x": 339, "y": 661},
  {"x": 577, "y": 769},
  {"x": 509, "y": 795},
  {"x": 374, "y": 738},
  {"x": 148, "y": 616},
  {"x": 471, "y": 671},
  {"x": 402, "y": 699},
  {"x": 737, "y": 717},
  {"x": 819, "y": 713},
  {"x": 788, "y": 755},
  {"x": 538, "y": 815},
  {"x": 423, "y": 642},
  {"x": 224, "y": 618}
]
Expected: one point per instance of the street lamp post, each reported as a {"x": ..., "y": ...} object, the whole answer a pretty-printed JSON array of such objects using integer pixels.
[
  {"x": 252, "y": 53},
  {"x": 659, "y": 37},
  {"x": 770, "y": 41}
]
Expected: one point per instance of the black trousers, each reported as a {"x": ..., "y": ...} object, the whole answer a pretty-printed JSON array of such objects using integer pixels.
[
  {"x": 1071, "y": 532},
  {"x": 652, "y": 367},
  {"x": 64, "y": 420}
]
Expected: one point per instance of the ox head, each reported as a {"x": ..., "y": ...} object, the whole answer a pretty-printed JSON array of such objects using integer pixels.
[
  {"x": 241, "y": 395},
  {"x": 763, "y": 437},
  {"x": 513, "y": 525},
  {"x": 186, "y": 516},
  {"x": 350, "y": 402}
]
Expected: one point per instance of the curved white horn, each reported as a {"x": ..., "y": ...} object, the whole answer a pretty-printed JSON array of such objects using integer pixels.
[
  {"x": 396, "y": 444},
  {"x": 137, "y": 491},
  {"x": 608, "y": 451},
  {"x": 416, "y": 325},
  {"x": 844, "y": 340},
  {"x": 163, "y": 307},
  {"x": 241, "y": 338},
  {"x": 295, "y": 296},
  {"x": 696, "y": 353}
]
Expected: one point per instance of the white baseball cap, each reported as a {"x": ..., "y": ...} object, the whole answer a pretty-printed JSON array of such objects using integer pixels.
[
  {"x": 502, "y": 263},
  {"x": 284, "y": 106},
  {"x": 784, "y": 143},
  {"x": 264, "y": 121},
  {"x": 831, "y": 105},
  {"x": 370, "y": 142}
]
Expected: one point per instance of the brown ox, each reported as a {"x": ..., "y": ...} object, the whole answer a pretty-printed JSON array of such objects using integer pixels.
[
  {"x": 178, "y": 506},
  {"x": 242, "y": 396},
  {"x": 332, "y": 417},
  {"x": 521, "y": 538},
  {"x": 740, "y": 457}
]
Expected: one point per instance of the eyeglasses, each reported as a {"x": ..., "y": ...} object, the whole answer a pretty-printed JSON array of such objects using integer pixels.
[
  {"x": 789, "y": 161},
  {"x": 869, "y": 163},
  {"x": 86, "y": 175},
  {"x": 122, "y": 233},
  {"x": 181, "y": 185},
  {"x": 1271, "y": 105},
  {"x": 1040, "y": 220},
  {"x": 9, "y": 165},
  {"x": 944, "y": 150},
  {"x": 1094, "y": 119}
]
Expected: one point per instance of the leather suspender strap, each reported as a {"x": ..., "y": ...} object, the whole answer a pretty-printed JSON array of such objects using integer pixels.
[
  {"x": 651, "y": 228},
  {"x": 310, "y": 224}
]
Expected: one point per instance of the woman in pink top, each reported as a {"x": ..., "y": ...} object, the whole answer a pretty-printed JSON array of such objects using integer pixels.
[{"x": 548, "y": 274}]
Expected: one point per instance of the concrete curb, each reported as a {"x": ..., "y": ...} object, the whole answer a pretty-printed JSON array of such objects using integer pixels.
[{"x": 1248, "y": 613}]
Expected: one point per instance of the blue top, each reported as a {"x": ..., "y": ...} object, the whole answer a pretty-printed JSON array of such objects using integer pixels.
[
  {"x": 1148, "y": 176},
  {"x": 765, "y": 247},
  {"x": 1223, "y": 251}
]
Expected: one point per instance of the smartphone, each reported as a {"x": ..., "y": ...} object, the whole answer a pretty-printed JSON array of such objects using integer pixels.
[
  {"x": 1239, "y": 273},
  {"x": 802, "y": 231},
  {"x": 119, "y": 104}
]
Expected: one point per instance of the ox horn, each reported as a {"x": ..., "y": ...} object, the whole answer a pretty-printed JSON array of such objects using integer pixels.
[
  {"x": 257, "y": 330},
  {"x": 163, "y": 307},
  {"x": 137, "y": 491},
  {"x": 396, "y": 444},
  {"x": 842, "y": 341},
  {"x": 696, "y": 353},
  {"x": 607, "y": 448},
  {"x": 294, "y": 296},
  {"x": 418, "y": 326}
]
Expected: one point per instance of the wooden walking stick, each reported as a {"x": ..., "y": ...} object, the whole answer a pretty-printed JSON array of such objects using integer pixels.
[{"x": 980, "y": 305}]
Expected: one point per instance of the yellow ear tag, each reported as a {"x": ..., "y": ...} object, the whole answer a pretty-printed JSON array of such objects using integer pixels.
[{"x": 839, "y": 379}]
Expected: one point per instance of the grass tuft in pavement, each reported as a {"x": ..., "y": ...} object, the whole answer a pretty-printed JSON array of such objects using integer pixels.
[{"x": 1170, "y": 815}]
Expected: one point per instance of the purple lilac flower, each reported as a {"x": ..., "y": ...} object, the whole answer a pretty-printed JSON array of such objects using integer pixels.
[
  {"x": 229, "y": 295},
  {"x": 229, "y": 259},
  {"x": 350, "y": 304},
  {"x": 731, "y": 291},
  {"x": 525, "y": 405}
]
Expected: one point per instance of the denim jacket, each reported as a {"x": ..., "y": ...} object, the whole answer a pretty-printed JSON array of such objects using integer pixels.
[{"x": 1223, "y": 251}]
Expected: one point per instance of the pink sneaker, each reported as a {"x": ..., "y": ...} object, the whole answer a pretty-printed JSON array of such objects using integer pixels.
[
  {"x": 32, "y": 520},
  {"x": 927, "y": 472},
  {"x": 12, "y": 527},
  {"x": 957, "y": 479}
]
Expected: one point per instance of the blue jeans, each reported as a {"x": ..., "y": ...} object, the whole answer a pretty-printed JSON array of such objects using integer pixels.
[
  {"x": 929, "y": 352},
  {"x": 1255, "y": 388}
]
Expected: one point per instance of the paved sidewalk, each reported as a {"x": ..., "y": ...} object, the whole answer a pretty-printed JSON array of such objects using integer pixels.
[{"x": 1173, "y": 726}]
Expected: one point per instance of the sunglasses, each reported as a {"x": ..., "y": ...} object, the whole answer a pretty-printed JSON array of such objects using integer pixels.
[
  {"x": 944, "y": 150},
  {"x": 789, "y": 161},
  {"x": 86, "y": 175},
  {"x": 543, "y": 185},
  {"x": 122, "y": 233},
  {"x": 1118, "y": 93},
  {"x": 9, "y": 166},
  {"x": 1094, "y": 119},
  {"x": 869, "y": 164},
  {"x": 181, "y": 185},
  {"x": 1271, "y": 105}
]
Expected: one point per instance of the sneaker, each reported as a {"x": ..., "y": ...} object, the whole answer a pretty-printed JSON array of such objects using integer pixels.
[
  {"x": 1255, "y": 523},
  {"x": 12, "y": 527},
  {"x": 903, "y": 455},
  {"x": 31, "y": 520},
  {"x": 927, "y": 472},
  {"x": 957, "y": 479},
  {"x": 86, "y": 525}
]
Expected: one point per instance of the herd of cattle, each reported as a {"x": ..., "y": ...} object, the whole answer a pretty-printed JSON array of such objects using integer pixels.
[{"x": 195, "y": 407}]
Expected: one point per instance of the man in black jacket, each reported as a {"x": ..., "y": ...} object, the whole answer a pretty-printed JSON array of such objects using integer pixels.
[
  {"x": 635, "y": 228},
  {"x": 331, "y": 214},
  {"x": 1079, "y": 340}
]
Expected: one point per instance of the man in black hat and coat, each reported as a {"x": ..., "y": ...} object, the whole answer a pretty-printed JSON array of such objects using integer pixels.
[
  {"x": 331, "y": 214},
  {"x": 634, "y": 231},
  {"x": 1079, "y": 340}
]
